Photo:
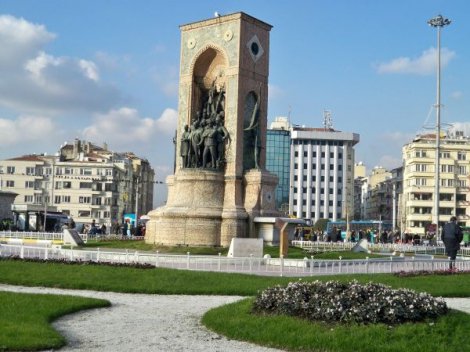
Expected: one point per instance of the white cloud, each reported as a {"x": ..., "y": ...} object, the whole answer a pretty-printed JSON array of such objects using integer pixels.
[
  {"x": 34, "y": 81},
  {"x": 25, "y": 129},
  {"x": 124, "y": 127},
  {"x": 20, "y": 39},
  {"x": 422, "y": 65},
  {"x": 456, "y": 94}
]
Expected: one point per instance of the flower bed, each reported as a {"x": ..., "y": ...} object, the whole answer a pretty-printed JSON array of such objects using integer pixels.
[{"x": 350, "y": 302}]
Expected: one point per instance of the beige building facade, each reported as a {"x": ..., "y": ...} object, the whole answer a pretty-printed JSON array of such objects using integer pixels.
[
  {"x": 419, "y": 182},
  {"x": 82, "y": 180}
]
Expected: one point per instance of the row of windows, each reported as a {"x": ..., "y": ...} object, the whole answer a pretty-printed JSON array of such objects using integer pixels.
[
  {"x": 322, "y": 178},
  {"x": 60, "y": 199},
  {"x": 322, "y": 202},
  {"x": 108, "y": 187},
  {"x": 322, "y": 167},
  {"x": 419, "y": 153},
  {"x": 316, "y": 142},
  {"x": 30, "y": 170},
  {"x": 314, "y": 154},
  {"x": 314, "y": 189},
  {"x": 303, "y": 215}
]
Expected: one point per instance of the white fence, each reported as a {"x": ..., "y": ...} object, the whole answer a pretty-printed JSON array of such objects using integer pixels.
[
  {"x": 36, "y": 236},
  {"x": 318, "y": 246},
  {"x": 249, "y": 265}
]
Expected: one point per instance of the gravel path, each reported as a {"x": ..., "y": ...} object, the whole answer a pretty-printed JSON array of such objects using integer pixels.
[{"x": 138, "y": 322}]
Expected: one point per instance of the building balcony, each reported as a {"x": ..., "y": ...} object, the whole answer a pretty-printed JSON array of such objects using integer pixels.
[
  {"x": 419, "y": 217},
  {"x": 420, "y": 203}
]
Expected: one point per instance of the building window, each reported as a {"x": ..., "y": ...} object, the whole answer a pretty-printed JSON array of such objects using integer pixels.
[
  {"x": 420, "y": 167},
  {"x": 10, "y": 183},
  {"x": 85, "y": 171},
  {"x": 29, "y": 184},
  {"x": 10, "y": 170},
  {"x": 314, "y": 154},
  {"x": 109, "y": 172},
  {"x": 97, "y": 201},
  {"x": 461, "y": 183},
  {"x": 106, "y": 214},
  {"x": 57, "y": 199},
  {"x": 83, "y": 199},
  {"x": 461, "y": 156},
  {"x": 444, "y": 155},
  {"x": 420, "y": 154},
  {"x": 65, "y": 199},
  {"x": 68, "y": 171},
  {"x": 332, "y": 155},
  {"x": 28, "y": 199},
  {"x": 84, "y": 213},
  {"x": 85, "y": 184},
  {"x": 30, "y": 171}
]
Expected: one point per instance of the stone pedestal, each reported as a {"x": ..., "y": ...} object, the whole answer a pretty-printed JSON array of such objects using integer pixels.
[{"x": 193, "y": 213}]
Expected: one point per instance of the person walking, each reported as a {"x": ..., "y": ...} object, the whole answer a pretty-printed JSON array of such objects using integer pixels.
[{"x": 452, "y": 236}]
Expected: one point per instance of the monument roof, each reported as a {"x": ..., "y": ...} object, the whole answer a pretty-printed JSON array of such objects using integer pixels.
[{"x": 224, "y": 18}]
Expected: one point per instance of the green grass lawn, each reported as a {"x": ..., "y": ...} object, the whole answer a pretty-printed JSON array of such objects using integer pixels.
[
  {"x": 25, "y": 319},
  {"x": 273, "y": 251},
  {"x": 236, "y": 322},
  {"x": 447, "y": 334}
]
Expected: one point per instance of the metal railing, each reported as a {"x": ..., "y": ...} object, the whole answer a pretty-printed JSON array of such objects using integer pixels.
[
  {"x": 250, "y": 265},
  {"x": 57, "y": 237},
  {"x": 318, "y": 246}
]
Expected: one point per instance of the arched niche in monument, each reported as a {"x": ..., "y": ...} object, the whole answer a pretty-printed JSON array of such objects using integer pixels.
[
  {"x": 251, "y": 132},
  {"x": 205, "y": 138}
]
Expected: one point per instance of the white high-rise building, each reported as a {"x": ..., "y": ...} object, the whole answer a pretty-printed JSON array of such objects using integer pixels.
[{"x": 322, "y": 173}]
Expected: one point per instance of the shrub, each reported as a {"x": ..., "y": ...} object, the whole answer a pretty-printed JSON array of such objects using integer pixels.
[{"x": 351, "y": 302}]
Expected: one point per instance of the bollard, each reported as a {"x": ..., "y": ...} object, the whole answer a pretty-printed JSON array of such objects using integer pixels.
[
  {"x": 340, "y": 263},
  {"x": 219, "y": 263},
  {"x": 22, "y": 251},
  {"x": 311, "y": 265},
  {"x": 251, "y": 263},
  {"x": 127, "y": 256},
  {"x": 282, "y": 265},
  {"x": 187, "y": 260},
  {"x": 367, "y": 265}
]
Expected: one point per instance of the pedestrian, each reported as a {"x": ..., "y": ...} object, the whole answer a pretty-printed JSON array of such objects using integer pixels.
[{"x": 452, "y": 236}]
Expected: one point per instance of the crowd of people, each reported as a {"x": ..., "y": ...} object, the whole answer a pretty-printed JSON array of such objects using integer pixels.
[{"x": 125, "y": 229}]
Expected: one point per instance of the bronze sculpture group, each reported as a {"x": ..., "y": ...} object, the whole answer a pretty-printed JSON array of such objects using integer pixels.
[{"x": 203, "y": 143}]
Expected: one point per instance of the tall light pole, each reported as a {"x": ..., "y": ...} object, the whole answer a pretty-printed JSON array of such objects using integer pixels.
[{"x": 438, "y": 22}]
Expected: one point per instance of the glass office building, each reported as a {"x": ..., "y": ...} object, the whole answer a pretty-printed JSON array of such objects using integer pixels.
[{"x": 278, "y": 162}]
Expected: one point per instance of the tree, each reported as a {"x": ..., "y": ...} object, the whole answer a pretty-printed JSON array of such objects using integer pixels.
[{"x": 320, "y": 225}]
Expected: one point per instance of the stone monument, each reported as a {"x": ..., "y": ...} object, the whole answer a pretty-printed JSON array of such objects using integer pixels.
[{"x": 220, "y": 183}]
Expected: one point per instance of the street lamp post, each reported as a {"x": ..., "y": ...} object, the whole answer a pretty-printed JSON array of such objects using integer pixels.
[{"x": 438, "y": 22}]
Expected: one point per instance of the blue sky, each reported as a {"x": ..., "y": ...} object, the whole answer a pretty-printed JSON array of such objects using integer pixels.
[{"x": 107, "y": 71}]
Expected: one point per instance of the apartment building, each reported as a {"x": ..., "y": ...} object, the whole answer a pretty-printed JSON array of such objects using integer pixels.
[
  {"x": 82, "y": 180},
  {"x": 419, "y": 181}
]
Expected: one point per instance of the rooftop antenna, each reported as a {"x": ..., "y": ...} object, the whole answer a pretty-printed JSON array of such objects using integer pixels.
[
  {"x": 327, "y": 120},
  {"x": 288, "y": 115}
]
